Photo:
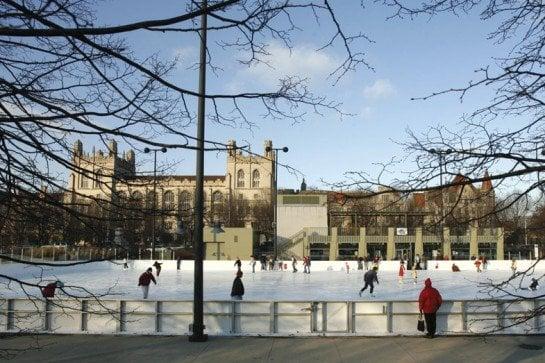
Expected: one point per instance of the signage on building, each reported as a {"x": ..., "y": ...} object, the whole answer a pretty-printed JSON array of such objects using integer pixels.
[{"x": 401, "y": 231}]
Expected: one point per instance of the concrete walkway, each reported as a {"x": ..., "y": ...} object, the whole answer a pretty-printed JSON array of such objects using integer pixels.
[{"x": 109, "y": 349}]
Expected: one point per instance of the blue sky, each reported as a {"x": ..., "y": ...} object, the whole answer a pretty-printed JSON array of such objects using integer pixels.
[{"x": 411, "y": 58}]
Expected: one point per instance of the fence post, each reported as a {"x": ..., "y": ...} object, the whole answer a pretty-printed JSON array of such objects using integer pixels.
[
  {"x": 102, "y": 253},
  {"x": 233, "y": 317},
  {"x": 389, "y": 312},
  {"x": 42, "y": 248},
  {"x": 66, "y": 252},
  {"x": 11, "y": 252},
  {"x": 22, "y": 253},
  {"x": 84, "y": 315},
  {"x": 54, "y": 252},
  {"x": 31, "y": 253},
  {"x": 500, "y": 314},
  {"x": 115, "y": 253},
  {"x": 10, "y": 315},
  {"x": 122, "y": 318},
  {"x": 158, "y": 310},
  {"x": 47, "y": 315},
  {"x": 273, "y": 317},
  {"x": 90, "y": 253},
  {"x": 464, "y": 315},
  {"x": 537, "y": 318}
]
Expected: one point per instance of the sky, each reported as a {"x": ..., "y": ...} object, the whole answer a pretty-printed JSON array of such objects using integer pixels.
[{"x": 410, "y": 58}]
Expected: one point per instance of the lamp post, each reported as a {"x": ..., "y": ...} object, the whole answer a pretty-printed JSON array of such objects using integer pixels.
[
  {"x": 441, "y": 153},
  {"x": 275, "y": 195},
  {"x": 147, "y": 150},
  {"x": 215, "y": 230},
  {"x": 197, "y": 328}
]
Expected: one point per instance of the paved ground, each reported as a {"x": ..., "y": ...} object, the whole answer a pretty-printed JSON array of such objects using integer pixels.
[{"x": 106, "y": 349}]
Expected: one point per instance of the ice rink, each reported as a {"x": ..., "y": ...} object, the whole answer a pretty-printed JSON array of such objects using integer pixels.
[{"x": 322, "y": 285}]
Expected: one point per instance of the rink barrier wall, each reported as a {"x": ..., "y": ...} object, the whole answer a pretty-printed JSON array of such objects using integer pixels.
[
  {"x": 259, "y": 318},
  {"x": 187, "y": 265}
]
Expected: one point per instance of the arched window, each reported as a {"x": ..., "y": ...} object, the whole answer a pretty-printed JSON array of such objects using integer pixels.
[
  {"x": 168, "y": 200},
  {"x": 98, "y": 178},
  {"x": 240, "y": 178},
  {"x": 84, "y": 182},
  {"x": 184, "y": 202},
  {"x": 217, "y": 197},
  {"x": 255, "y": 179}
]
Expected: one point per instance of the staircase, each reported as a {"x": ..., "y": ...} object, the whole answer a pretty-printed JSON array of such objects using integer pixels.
[{"x": 285, "y": 251}]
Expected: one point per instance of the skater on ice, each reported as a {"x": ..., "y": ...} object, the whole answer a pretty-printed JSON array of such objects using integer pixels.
[
  {"x": 253, "y": 263},
  {"x": 417, "y": 262},
  {"x": 478, "y": 265},
  {"x": 263, "y": 261},
  {"x": 369, "y": 279},
  {"x": 237, "y": 291},
  {"x": 306, "y": 264},
  {"x": 401, "y": 272},
  {"x": 514, "y": 266},
  {"x": 347, "y": 267},
  {"x": 360, "y": 263},
  {"x": 238, "y": 264},
  {"x": 145, "y": 280},
  {"x": 534, "y": 285},
  {"x": 178, "y": 262},
  {"x": 125, "y": 264},
  {"x": 485, "y": 263},
  {"x": 415, "y": 274},
  {"x": 157, "y": 266},
  {"x": 49, "y": 290},
  {"x": 294, "y": 263},
  {"x": 429, "y": 302},
  {"x": 281, "y": 265},
  {"x": 455, "y": 268}
]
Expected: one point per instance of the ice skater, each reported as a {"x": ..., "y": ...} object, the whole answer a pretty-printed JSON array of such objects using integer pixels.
[
  {"x": 253, "y": 263},
  {"x": 281, "y": 265},
  {"x": 514, "y": 266},
  {"x": 478, "y": 265},
  {"x": 294, "y": 263},
  {"x": 429, "y": 302},
  {"x": 417, "y": 262},
  {"x": 401, "y": 272},
  {"x": 178, "y": 262},
  {"x": 347, "y": 267},
  {"x": 237, "y": 291},
  {"x": 455, "y": 268},
  {"x": 360, "y": 263},
  {"x": 534, "y": 285},
  {"x": 305, "y": 265},
  {"x": 485, "y": 263},
  {"x": 145, "y": 280},
  {"x": 157, "y": 266},
  {"x": 415, "y": 274},
  {"x": 49, "y": 290},
  {"x": 263, "y": 261},
  {"x": 238, "y": 264},
  {"x": 125, "y": 263},
  {"x": 369, "y": 279}
]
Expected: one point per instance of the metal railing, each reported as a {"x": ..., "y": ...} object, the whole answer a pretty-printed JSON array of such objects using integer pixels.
[{"x": 277, "y": 318}]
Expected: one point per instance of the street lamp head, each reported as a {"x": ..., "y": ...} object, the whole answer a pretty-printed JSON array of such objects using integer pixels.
[
  {"x": 163, "y": 150},
  {"x": 268, "y": 148},
  {"x": 147, "y": 150},
  {"x": 285, "y": 149},
  {"x": 433, "y": 151}
]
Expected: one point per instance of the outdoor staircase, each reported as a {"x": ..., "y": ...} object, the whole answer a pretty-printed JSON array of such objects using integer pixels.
[{"x": 285, "y": 249}]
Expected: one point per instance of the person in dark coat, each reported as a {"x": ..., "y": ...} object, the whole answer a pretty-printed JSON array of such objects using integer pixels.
[
  {"x": 534, "y": 285},
  {"x": 360, "y": 263},
  {"x": 263, "y": 262},
  {"x": 237, "y": 291},
  {"x": 455, "y": 268},
  {"x": 238, "y": 264},
  {"x": 49, "y": 290},
  {"x": 178, "y": 262},
  {"x": 157, "y": 266},
  {"x": 145, "y": 280},
  {"x": 429, "y": 302},
  {"x": 370, "y": 278}
]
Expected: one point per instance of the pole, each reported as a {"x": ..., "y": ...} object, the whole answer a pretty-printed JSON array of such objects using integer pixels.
[
  {"x": 197, "y": 327},
  {"x": 154, "y": 203},
  {"x": 275, "y": 212},
  {"x": 442, "y": 224}
]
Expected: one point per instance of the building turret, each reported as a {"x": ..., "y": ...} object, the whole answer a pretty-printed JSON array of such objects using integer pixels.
[
  {"x": 231, "y": 147},
  {"x": 303, "y": 185},
  {"x": 268, "y": 146},
  {"x": 78, "y": 148},
  {"x": 112, "y": 148}
]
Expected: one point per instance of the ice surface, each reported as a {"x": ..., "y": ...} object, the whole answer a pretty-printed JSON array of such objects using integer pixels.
[{"x": 261, "y": 286}]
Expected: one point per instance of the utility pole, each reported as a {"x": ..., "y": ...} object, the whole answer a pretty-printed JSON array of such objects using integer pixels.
[{"x": 197, "y": 328}]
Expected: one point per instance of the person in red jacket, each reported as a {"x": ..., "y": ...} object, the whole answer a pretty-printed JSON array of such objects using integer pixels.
[
  {"x": 145, "y": 280},
  {"x": 429, "y": 302},
  {"x": 49, "y": 290},
  {"x": 401, "y": 273}
]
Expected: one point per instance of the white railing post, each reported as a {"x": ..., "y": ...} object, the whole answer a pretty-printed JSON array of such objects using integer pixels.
[
  {"x": 115, "y": 253},
  {"x": 390, "y": 320},
  {"x": 464, "y": 315},
  {"x": 139, "y": 254},
  {"x": 66, "y": 252},
  {"x": 22, "y": 253},
  {"x": 163, "y": 254}
]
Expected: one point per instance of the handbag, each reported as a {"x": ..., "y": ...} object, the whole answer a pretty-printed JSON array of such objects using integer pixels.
[{"x": 420, "y": 326}]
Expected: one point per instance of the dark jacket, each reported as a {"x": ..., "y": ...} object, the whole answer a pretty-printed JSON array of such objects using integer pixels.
[
  {"x": 49, "y": 290},
  {"x": 370, "y": 276},
  {"x": 146, "y": 278},
  {"x": 238, "y": 287},
  {"x": 238, "y": 263},
  {"x": 430, "y": 299}
]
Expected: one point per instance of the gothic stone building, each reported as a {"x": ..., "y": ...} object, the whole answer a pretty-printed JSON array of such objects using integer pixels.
[{"x": 112, "y": 177}]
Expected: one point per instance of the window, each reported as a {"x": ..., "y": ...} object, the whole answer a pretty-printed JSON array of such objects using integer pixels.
[
  {"x": 98, "y": 178},
  {"x": 84, "y": 182},
  {"x": 184, "y": 202},
  {"x": 168, "y": 200},
  {"x": 217, "y": 197},
  {"x": 235, "y": 239},
  {"x": 255, "y": 179},
  {"x": 240, "y": 179}
]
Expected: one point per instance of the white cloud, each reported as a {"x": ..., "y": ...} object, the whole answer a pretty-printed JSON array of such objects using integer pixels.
[
  {"x": 302, "y": 61},
  {"x": 380, "y": 89}
]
